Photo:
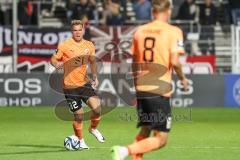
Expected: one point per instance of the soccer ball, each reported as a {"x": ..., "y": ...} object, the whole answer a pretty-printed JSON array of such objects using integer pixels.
[{"x": 72, "y": 143}]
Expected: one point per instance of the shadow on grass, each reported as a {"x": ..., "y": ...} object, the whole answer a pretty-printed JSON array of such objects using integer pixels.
[
  {"x": 57, "y": 149},
  {"x": 36, "y": 146}
]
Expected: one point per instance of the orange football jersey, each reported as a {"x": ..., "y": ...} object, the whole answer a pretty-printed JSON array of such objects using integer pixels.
[
  {"x": 75, "y": 57},
  {"x": 153, "y": 44}
]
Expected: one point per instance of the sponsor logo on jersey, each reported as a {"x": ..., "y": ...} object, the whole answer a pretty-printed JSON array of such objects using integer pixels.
[{"x": 87, "y": 51}]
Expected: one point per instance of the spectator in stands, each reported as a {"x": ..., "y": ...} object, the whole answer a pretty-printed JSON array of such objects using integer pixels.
[
  {"x": 142, "y": 9},
  {"x": 46, "y": 8},
  {"x": 25, "y": 12},
  {"x": 1, "y": 16},
  {"x": 87, "y": 32},
  {"x": 70, "y": 4},
  {"x": 112, "y": 13},
  {"x": 59, "y": 10},
  {"x": 6, "y": 7},
  {"x": 123, "y": 4},
  {"x": 223, "y": 14},
  {"x": 208, "y": 18},
  {"x": 235, "y": 10},
  {"x": 208, "y": 13},
  {"x": 87, "y": 7},
  {"x": 188, "y": 11}
]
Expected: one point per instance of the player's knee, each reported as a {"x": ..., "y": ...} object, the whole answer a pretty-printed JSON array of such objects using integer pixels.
[
  {"x": 95, "y": 105},
  {"x": 163, "y": 139},
  {"x": 97, "y": 111},
  {"x": 96, "y": 114},
  {"x": 164, "y": 142},
  {"x": 78, "y": 118}
]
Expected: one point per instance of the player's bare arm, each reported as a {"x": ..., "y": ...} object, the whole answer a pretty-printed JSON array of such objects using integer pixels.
[
  {"x": 178, "y": 69},
  {"x": 93, "y": 68},
  {"x": 55, "y": 62}
]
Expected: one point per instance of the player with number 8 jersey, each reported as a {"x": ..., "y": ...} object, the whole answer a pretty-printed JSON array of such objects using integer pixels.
[
  {"x": 155, "y": 50},
  {"x": 154, "y": 43}
]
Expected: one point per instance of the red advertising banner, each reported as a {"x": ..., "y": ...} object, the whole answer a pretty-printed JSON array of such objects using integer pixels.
[{"x": 209, "y": 59}]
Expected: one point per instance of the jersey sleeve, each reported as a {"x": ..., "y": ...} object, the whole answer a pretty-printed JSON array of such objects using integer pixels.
[
  {"x": 59, "y": 52},
  {"x": 92, "y": 49},
  {"x": 134, "y": 46},
  {"x": 92, "y": 52},
  {"x": 177, "y": 43}
]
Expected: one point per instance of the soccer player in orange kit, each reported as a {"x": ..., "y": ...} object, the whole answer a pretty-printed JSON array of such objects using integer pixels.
[
  {"x": 74, "y": 54},
  {"x": 155, "y": 49}
]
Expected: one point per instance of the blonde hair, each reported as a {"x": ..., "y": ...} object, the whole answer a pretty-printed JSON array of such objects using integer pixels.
[
  {"x": 161, "y": 5},
  {"x": 76, "y": 22}
]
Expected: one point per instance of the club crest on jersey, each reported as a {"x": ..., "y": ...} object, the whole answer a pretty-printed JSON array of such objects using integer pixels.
[{"x": 87, "y": 51}]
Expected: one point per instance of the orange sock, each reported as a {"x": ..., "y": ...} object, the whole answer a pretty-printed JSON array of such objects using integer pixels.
[
  {"x": 77, "y": 127},
  {"x": 94, "y": 122},
  {"x": 144, "y": 146},
  {"x": 137, "y": 139}
]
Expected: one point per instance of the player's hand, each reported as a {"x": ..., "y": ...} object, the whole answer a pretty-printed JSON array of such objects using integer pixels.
[
  {"x": 59, "y": 65},
  {"x": 185, "y": 83},
  {"x": 95, "y": 83}
]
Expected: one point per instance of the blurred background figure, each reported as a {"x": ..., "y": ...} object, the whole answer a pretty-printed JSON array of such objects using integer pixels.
[
  {"x": 112, "y": 13},
  {"x": 223, "y": 13},
  {"x": 84, "y": 7},
  {"x": 25, "y": 12},
  {"x": 235, "y": 10},
  {"x": 87, "y": 33},
  {"x": 6, "y": 11},
  {"x": 59, "y": 10},
  {"x": 208, "y": 13},
  {"x": 142, "y": 9},
  {"x": 46, "y": 7},
  {"x": 1, "y": 16},
  {"x": 188, "y": 11},
  {"x": 208, "y": 18}
]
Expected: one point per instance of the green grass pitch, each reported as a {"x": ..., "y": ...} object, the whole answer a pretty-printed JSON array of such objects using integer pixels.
[{"x": 199, "y": 134}]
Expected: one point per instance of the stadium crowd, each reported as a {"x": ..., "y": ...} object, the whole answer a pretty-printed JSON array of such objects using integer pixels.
[{"x": 118, "y": 12}]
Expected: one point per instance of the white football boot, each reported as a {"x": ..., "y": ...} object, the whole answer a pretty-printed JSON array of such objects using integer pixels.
[
  {"x": 83, "y": 145},
  {"x": 97, "y": 134}
]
